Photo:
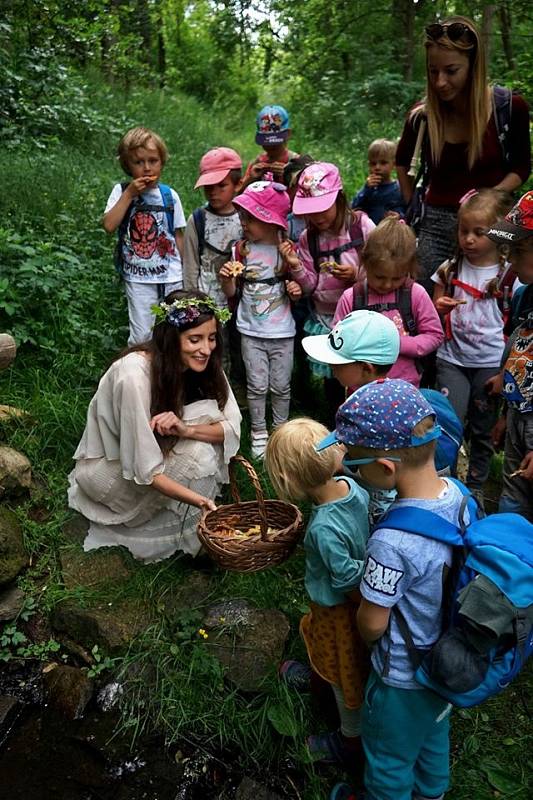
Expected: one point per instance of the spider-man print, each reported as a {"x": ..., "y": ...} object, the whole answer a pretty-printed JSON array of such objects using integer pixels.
[
  {"x": 164, "y": 245},
  {"x": 143, "y": 234}
]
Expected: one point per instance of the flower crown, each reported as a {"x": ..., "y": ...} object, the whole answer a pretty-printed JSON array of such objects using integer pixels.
[{"x": 186, "y": 310}]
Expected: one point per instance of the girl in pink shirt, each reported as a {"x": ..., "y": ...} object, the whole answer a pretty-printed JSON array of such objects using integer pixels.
[
  {"x": 327, "y": 259},
  {"x": 389, "y": 259}
]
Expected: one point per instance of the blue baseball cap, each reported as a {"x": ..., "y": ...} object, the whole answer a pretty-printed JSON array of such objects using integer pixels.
[
  {"x": 361, "y": 336},
  {"x": 381, "y": 415},
  {"x": 272, "y": 124}
]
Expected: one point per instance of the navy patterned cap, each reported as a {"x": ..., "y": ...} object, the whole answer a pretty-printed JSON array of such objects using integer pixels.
[{"x": 381, "y": 415}]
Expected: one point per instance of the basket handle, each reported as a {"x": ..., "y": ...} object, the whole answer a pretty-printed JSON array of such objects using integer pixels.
[{"x": 259, "y": 496}]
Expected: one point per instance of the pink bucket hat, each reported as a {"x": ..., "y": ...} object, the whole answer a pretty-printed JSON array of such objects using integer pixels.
[
  {"x": 266, "y": 201},
  {"x": 216, "y": 164},
  {"x": 318, "y": 187}
]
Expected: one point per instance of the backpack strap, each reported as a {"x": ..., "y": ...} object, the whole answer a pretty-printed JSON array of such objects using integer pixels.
[
  {"x": 502, "y": 102},
  {"x": 422, "y": 522},
  {"x": 168, "y": 205},
  {"x": 405, "y": 307},
  {"x": 198, "y": 216},
  {"x": 402, "y": 302},
  {"x": 121, "y": 232},
  {"x": 355, "y": 243}
]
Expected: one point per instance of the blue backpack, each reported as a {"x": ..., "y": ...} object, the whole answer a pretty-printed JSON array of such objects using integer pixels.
[
  {"x": 167, "y": 206},
  {"x": 449, "y": 441},
  {"x": 487, "y": 633}
]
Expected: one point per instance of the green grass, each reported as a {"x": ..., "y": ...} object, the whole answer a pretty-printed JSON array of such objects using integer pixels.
[{"x": 61, "y": 292}]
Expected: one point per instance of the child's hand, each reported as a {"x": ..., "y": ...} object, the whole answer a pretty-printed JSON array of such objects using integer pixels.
[
  {"x": 139, "y": 185},
  {"x": 526, "y": 466},
  {"x": 288, "y": 253},
  {"x": 494, "y": 385},
  {"x": 373, "y": 180},
  {"x": 257, "y": 171},
  {"x": 344, "y": 272},
  {"x": 446, "y": 304},
  {"x": 497, "y": 434},
  {"x": 227, "y": 271},
  {"x": 294, "y": 290}
]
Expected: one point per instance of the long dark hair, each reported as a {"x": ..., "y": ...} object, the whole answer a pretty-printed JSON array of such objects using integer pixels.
[{"x": 171, "y": 386}]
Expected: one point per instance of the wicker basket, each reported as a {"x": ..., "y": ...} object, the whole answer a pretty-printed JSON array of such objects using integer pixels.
[{"x": 280, "y": 528}]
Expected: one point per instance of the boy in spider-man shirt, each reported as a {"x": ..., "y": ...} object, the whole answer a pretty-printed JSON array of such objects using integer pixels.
[
  {"x": 149, "y": 219},
  {"x": 515, "y": 383}
]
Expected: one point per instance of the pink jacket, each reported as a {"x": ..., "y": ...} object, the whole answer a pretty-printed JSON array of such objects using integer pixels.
[
  {"x": 430, "y": 334},
  {"x": 325, "y": 289}
]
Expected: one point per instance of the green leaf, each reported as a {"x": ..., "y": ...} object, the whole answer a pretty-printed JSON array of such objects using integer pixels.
[
  {"x": 282, "y": 720},
  {"x": 500, "y": 780}
]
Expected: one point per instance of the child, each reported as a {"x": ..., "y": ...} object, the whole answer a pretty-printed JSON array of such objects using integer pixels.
[
  {"x": 335, "y": 549},
  {"x": 264, "y": 317},
  {"x": 291, "y": 173},
  {"x": 390, "y": 432},
  {"x": 471, "y": 293},
  {"x": 150, "y": 220},
  {"x": 211, "y": 232},
  {"x": 389, "y": 259},
  {"x": 328, "y": 253},
  {"x": 380, "y": 196},
  {"x": 515, "y": 232},
  {"x": 273, "y": 133}
]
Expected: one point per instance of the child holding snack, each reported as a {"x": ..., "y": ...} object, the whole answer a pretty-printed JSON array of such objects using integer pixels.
[
  {"x": 389, "y": 259},
  {"x": 381, "y": 195},
  {"x": 473, "y": 295},
  {"x": 273, "y": 133},
  {"x": 334, "y": 545},
  {"x": 149, "y": 218},
  {"x": 328, "y": 258},
  {"x": 264, "y": 319}
]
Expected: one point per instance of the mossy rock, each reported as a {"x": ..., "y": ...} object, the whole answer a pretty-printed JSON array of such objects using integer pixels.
[
  {"x": 110, "y": 625},
  {"x": 107, "y": 565},
  {"x": 13, "y": 557}
]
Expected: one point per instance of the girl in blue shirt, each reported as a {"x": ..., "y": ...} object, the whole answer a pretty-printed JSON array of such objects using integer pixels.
[{"x": 334, "y": 545}]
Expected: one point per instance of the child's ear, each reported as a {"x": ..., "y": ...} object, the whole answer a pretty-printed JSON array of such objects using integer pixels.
[
  {"x": 389, "y": 467},
  {"x": 237, "y": 187}
]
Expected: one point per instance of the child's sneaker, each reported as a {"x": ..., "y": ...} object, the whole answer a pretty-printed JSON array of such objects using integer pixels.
[
  {"x": 296, "y": 675},
  {"x": 259, "y": 443}
]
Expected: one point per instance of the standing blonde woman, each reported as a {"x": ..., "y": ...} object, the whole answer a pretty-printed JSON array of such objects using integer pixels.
[{"x": 460, "y": 146}]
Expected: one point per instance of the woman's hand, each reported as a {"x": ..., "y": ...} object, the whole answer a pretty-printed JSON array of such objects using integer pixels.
[
  {"x": 344, "y": 272},
  {"x": 288, "y": 254},
  {"x": 294, "y": 290},
  {"x": 446, "y": 304},
  {"x": 168, "y": 424},
  {"x": 206, "y": 504}
]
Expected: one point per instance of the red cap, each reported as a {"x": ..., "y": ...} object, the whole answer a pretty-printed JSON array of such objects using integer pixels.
[{"x": 216, "y": 164}]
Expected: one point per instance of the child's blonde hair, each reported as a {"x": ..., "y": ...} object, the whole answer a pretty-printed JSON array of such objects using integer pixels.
[
  {"x": 139, "y": 137},
  {"x": 292, "y": 463},
  {"x": 382, "y": 148},
  {"x": 391, "y": 246}
]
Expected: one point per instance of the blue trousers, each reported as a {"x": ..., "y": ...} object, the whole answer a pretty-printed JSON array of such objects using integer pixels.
[{"x": 405, "y": 738}]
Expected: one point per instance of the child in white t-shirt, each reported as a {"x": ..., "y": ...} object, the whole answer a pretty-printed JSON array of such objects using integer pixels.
[
  {"x": 259, "y": 275},
  {"x": 472, "y": 295},
  {"x": 149, "y": 219}
]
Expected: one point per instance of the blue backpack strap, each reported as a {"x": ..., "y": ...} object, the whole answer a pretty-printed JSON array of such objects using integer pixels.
[
  {"x": 198, "y": 216},
  {"x": 422, "y": 522},
  {"x": 168, "y": 205}
]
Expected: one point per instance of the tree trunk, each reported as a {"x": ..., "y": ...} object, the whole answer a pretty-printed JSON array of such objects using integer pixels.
[
  {"x": 507, "y": 44},
  {"x": 486, "y": 28}
]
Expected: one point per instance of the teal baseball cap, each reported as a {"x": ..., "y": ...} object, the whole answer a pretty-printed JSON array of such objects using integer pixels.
[{"x": 361, "y": 336}]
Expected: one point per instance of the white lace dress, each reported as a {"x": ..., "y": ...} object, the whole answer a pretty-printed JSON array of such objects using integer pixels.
[{"x": 118, "y": 458}]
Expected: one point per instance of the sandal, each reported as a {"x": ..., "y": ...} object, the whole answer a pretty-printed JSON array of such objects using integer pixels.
[
  {"x": 341, "y": 791},
  {"x": 296, "y": 675}
]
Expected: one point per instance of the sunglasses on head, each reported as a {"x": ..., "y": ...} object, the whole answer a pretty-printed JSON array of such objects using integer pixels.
[{"x": 455, "y": 31}]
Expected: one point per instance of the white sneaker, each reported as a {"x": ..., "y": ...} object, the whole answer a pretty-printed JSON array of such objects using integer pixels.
[{"x": 259, "y": 443}]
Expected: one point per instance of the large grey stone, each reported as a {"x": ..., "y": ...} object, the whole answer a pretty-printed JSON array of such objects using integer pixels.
[
  {"x": 11, "y": 602},
  {"x": 249, "y": 789},
  {"x": 15, "y": 472},
  {"x": 68, "y": 690},
  {"x": 248, "y": 641},
  {"x": 111, "y": 626},
  {"x": 13, "y": 557},
  {"x": 105, "y": 565}
]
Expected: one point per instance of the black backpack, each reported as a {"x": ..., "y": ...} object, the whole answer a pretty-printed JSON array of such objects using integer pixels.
[{"x": 402, "y": 302}]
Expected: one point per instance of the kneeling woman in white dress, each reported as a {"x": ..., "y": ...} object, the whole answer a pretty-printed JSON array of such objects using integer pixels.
[{"x": 160, "y": 432}]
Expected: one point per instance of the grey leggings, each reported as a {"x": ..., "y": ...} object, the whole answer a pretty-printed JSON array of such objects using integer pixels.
[
  {"x": 350, "y": 717},
  {"x": 268, "y": 365},
  {"x": 465, "y": 389}
]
